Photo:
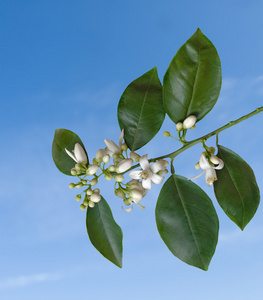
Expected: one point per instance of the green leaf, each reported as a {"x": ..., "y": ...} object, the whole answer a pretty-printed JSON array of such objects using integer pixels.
[
  {"x": 140, "y": 110},
  {"x": 64, "y": 139},
  {"x": 187, "y": 221},
  {"x": 236, "y": 189},
  {"x": 104, "y": 233},
  {"x": 192, "y": 82}
]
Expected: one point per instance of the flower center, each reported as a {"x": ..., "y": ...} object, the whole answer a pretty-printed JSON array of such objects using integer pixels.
[{"x": 144, "y": 175}]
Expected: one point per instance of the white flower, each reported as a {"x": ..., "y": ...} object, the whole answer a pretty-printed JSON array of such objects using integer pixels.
[
  {"x": 148, "y": 173},
  {"x": 112, "y": 147},
  {"x": 209, "y": 168},
  {"x": 78, "y": 154},
  {"x": 124, "y": 165},
  {"x": 189, "y": 122}
]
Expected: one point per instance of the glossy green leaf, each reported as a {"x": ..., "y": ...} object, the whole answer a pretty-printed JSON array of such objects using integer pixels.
[
  {"x": 192, "y": 82},
  {"x": 236, "y": 189},
  {"x": 187, "y": 221},
  {"x": 140, "y": 110},
  {"x": 104, "y": 233},
  {"x": 64, "y": 139}
]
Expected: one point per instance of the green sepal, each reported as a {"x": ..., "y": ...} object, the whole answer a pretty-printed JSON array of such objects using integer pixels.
[
  {"x": 187, "y": 221},
  {"x": 64, "y": 139},
  {"x": 104, "y": 233},
  {"x": 140, "y": 110},
  {"x": 236, "y": 189},
  {"x": 192, "y": 82}
]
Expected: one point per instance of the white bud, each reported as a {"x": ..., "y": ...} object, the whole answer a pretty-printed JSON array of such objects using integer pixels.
[
  {"x": 89, "y": 192},
  {"x": 112, "y": 168},
  {"x": 91, "y": 204},
  {"x": 71, "y": 185},
  {"x": 79, "y": 185},
  {"x": 96, "y": 191},
  {"x": 134, "y": 156},
  {"x": 124, "y": 165},
  {"x": 80, "y": 154},
  {"x": 106, "y": 158},
  {"x": 73, "y": 172},
  {"x": 100, "y": 153},
  {"x": 119, "y": 178},
  {"x": 94, "y": 181},
  {"x": 108, "y": 176},
  {"x": 82, "y": 207},
  {"x": 124, "y": 147},
  {"x": 189, "y": 122},
  {"x": 92, "y": 169},
  {"x": 95, "y": 197},
  {"x": 86, "y": 202},
  {"x": 197, "y": 166},
  {"x": 179, "y": 126},
  {"x": 119, "y": 193}
]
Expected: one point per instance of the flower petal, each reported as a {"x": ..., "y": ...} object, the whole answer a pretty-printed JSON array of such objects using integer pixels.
[
  {"x": 204, "y": 164},
  {"x": 128, "y": 209},
  {"x": 157, "y": 179},
  {"x": 135, "y": 174},
  {"x": 121, "y": 138},
  {"x": 220, "y": 165},
  {"x": 112, "y": 147},
  {"x": 144, "y": 163},
  {"x": 147, "y": 184},
  {"x": 159, "y": 165},
  {"x": 71, "y": 155},
  {"x": 210, "y": 176}
]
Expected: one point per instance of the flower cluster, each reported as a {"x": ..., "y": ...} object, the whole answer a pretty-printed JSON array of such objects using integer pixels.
[{"x": 131, "y": 192}]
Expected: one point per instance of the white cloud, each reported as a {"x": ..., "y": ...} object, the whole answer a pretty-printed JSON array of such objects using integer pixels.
[{"x": 26, "y": 280}]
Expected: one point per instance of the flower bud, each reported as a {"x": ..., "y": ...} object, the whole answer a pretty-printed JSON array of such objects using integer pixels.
[
  {"x": 92, "y": 169},
  {"x": 100, "y": 153},
  {"x": 94, "y": 181},
  {"x": 115, "y": 155},
  {"x": 124, "y": 147},
  {"x": 112, "y": 168},
  {"x": 78, "y": 197},
  {"x": 71, "y": 185},
  {"x": 166, "y": 133},
  {"x": 119, "y": 178},
  {"x": 73, "y": 172},
  {"x": 96, "y": 191},
  {"x": 124, "y": 165},
  {"x": 80, "y": 154},
  {"x": 82, "y": 207},
  {"x": 189, "y": 122},
  {"x": 179, "y": 126},
  {"x": 86, "y": 202},
  {"x": 108, "y": 176},
  {"x": 79, "y": 185},
  {"x": 84, "y": 181},
  {"x": 91, "y": 204},
  {"x": 78, "y": 167},
  {"x": 119, "y": 193},
  {"x": 95, "y": 197},
  {"x": 197, "y": 166},
  {"x": 89, "y": 192},
  {"x": 106, "y": 158},
  {"x": 135, "y": 156},
  {"x": 96, "y": 161}
]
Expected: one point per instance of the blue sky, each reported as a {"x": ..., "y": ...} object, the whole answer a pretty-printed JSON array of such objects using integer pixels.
[{"x": 65, "y": 64}]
